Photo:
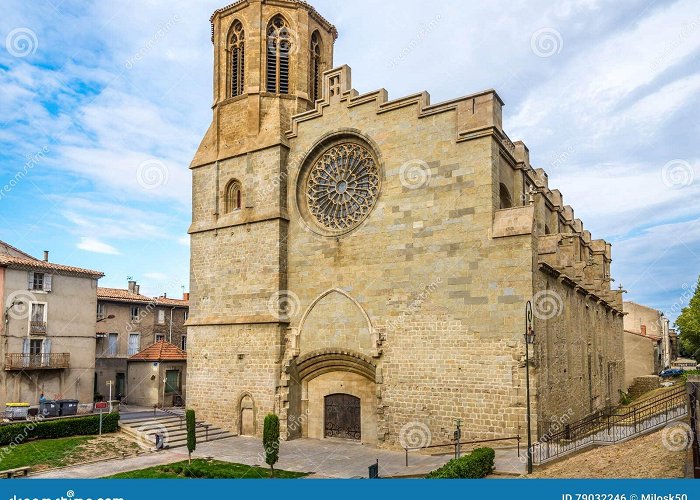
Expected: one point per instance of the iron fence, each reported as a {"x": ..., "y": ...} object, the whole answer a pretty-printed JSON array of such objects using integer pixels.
[{"x": 611, "y": 426}]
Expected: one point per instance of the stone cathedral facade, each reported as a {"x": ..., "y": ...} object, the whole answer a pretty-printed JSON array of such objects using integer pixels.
[{"x": 360, "y": 266}]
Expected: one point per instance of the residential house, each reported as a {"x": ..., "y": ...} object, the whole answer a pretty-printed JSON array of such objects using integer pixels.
[
  {"x": 48, "y": 328},
  {"x": 157, "y": 375},
  {"x": 127, "y": 323}
]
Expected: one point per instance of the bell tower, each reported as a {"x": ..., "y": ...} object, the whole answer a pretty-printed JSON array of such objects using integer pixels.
[{"x": 269, "y": 58}]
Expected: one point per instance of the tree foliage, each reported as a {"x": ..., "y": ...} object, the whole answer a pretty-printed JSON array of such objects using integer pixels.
[
  {"x": 191, "y": 433},
  {"x": 271, "y": 440},
  {"x": 688, "y": 324}
]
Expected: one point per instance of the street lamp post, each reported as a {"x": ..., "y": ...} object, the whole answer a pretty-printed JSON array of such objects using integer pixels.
[{"x": 529, "y": 339}]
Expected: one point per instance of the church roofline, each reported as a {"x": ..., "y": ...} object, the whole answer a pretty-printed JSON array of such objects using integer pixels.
[{"x": 312, "y": 12}]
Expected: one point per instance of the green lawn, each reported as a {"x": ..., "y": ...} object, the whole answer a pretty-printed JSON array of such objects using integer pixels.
[
  {"x": 204, "y": 469},
  {"x": 47, "y": 453}
]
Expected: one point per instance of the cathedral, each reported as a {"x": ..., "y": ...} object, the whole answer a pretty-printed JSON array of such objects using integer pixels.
[{"x": 361, "y": 265}]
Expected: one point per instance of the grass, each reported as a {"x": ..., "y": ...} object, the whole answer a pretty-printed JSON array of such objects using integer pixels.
[
  {"x": 47, "y": 453},
  {"x": 205, "y": 469}
]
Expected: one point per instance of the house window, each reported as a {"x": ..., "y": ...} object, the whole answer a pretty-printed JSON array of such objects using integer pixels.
[
  {"x": 172, "y": 381},
  {"x": 100, "y": 310},
  {"x": 135, "y": 313},
  {"x": 237, "y": 59},
  {"x": 315, "y": 83},
  {"x": 160, "y": 337},
  {"x": 278, "y": 48},
  {"x": 183, "y": 343},
  {"x": 504, "y": 195},
  {"x": 233, "y": 196},
  {"x": 37, "y": 323},
  {"x": 39, "y": 281},
  {"x": 112, "y": 344},
  {"x": 161, "y": 316},
  {"x": 134, "y": 343},
  {"x": 186, "y": 315},
  {"x": 35, "y": 350}
]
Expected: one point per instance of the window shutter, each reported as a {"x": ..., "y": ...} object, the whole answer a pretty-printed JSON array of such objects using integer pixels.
[
  {"x": 47, "y": 352},
  {"x": 47, "y": 282},
  {"x": 30, "y": 280},
  {"x": 25, "y": 346}
]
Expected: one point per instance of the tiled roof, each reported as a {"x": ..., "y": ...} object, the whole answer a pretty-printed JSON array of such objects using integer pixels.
[
  {"x": 15, "y": 249},
  {"x": 121, "y": 295},
  {"x": 41, "y": 265},
  {"x": 124, "y": 295},
  {"x": 160, "y": 351}
]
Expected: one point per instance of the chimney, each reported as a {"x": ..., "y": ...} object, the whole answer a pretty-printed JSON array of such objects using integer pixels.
[
  {"x": 136, "y": 289},
  {"x": 186, "y": 296},
  {"x": 46, "y": 255},
  {"x": 132, "y": 286},
  {"x": 165, "y": 295}
]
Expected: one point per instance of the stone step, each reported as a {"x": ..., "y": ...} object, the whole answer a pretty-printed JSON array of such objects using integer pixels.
[
  {"x": 141, "y": 420},
  {"x": 175, "y": 436}
]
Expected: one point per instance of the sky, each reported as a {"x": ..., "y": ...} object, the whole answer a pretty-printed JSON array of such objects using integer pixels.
[{"x": 103, "y": 104}]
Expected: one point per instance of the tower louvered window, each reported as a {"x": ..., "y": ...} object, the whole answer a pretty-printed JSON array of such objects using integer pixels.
[
  {"x": 315, "y": 67},
  {"x": 279, "y": 47},
  {"x": 237, "y": 55}
]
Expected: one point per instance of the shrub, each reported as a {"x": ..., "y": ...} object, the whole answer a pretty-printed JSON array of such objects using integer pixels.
[
  {"x": 271, "y": 440},
  {"x": 477, "y": 464},
  {"x": 64, "y": 427},
  {"x": 191, "y": 433}
]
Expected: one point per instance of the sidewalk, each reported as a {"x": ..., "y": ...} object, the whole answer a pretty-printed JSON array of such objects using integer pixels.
[{"x": 323, "y": 458}]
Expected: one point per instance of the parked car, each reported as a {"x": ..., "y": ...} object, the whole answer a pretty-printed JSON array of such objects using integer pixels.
[{"x": 671, "y": 372}]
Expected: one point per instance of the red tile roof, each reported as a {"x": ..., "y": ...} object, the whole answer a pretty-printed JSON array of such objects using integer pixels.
[
  {"x": 124, "y": 295},
  {"x": 160, "y": 351},
  {"x": 15, "y": 249},
  {"x": 41, "y": 265}
]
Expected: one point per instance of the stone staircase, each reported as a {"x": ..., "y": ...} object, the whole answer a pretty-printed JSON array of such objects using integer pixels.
[{"x": 173, "y": 428}]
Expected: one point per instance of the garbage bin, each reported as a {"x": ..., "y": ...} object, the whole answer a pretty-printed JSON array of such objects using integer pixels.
[
  {"x": 16, "y": 411},
  {"x": 68, "y": 407},
  {"x": 49, "y": 408}
]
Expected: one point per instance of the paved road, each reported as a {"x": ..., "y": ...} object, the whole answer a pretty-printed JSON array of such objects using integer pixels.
[{"x": 324, "y": 458}]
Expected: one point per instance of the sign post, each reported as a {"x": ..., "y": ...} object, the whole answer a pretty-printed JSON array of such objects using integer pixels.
[
  {"x": 110, "y": 383},
  {"x": 100, "y": 406}
]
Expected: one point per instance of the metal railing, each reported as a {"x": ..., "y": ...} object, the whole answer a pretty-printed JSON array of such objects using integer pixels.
[
  {"x": 460, "y": 443},
  {"x": 49, "y": 361},
  {"x": 202, "y": 425},
  {"x": 611, "y": 426},
  {"x": 37, "y": 327}
]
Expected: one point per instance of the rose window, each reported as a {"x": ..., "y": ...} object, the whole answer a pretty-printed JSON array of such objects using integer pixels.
[{"x": 342, "y": 186}]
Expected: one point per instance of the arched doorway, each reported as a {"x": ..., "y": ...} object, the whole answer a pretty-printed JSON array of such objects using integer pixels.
[
  {"x": 247, "y": 416},
  {"x": 342, "y": 417}
]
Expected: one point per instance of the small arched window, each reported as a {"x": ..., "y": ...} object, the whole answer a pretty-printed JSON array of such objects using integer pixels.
[
  {"x": 234, "y": 196},
  {"x": 278, "y": 48},
  {"x": 236, "y": 50},
  {"x": 505, "y": 199},
  {"x": 315, "y": 67}
]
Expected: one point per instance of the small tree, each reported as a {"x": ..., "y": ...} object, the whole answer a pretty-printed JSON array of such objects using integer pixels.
[
  {"x": 191, "y": 433},
  {"x": 271, "y": 441},
  {"x": 688, "y": 324}
]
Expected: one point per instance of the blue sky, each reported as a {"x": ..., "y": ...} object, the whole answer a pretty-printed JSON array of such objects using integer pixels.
[{"x": 104, "y": 103}]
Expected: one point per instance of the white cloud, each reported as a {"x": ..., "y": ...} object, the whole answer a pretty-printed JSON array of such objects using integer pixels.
[
  {"x": 92, "y": 245},
  {"x": 155, "y": 276}
]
